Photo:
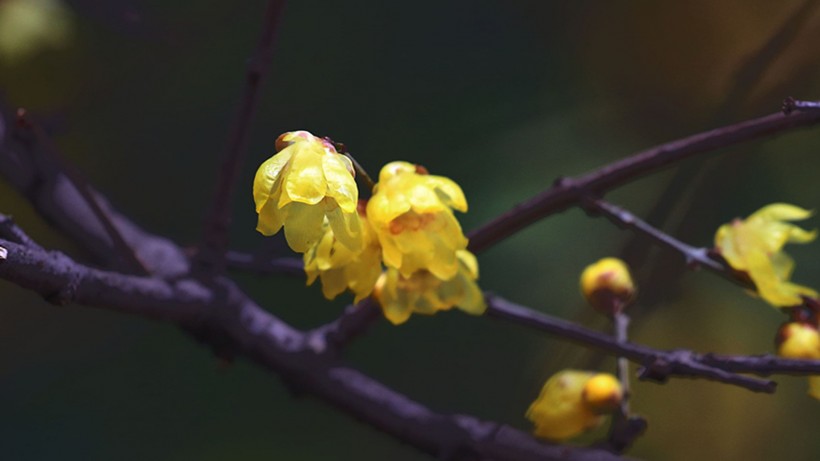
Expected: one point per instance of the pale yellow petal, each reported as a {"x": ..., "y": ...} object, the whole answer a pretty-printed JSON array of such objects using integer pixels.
[
  {"x": 798, "y": 235},
  {"x": 449, "y": 192},
  {"x": 267, "y": 180},
  {"x": 340, "y": 183},
  {"x": 305, "y": 180},
  {"x": 333, "y": 283},
  {"x": 780, "y": 212},
  {"x": 303, "y": 226},
  {"x": 347, "y": 228},
  {"x": 270, "y": 219}
]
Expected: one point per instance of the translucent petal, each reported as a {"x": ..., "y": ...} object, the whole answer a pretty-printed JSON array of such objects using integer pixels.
[
  {"x": 469, "y": 261},
  {"x": 386, "y": 205},
  {"x": 769, "y": 286},
  {"x": 270, "y": 219},
  {"x": 394, "y": 169},
  {"x": 798, "y": 235},
  {"x": 305, "y": 180},
  {"x": 391, "y": 254},
  {"x": 783, "y": 265},
  {"x": 333, "y": 283},
  {"x": 780, "y": 212},
  {"x": 423, "y": 198},
  {"x": 473, "y": 301},
  {"x": 340, "y": 183},
  {"x": 449, "y": 192},
  {"x": 267, "y": 177},
  {"x": 303, "y": 226},
  {"x": 347, "y": 228}
]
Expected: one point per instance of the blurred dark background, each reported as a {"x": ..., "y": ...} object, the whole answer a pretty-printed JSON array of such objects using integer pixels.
[{"x": 503, "y": 97}]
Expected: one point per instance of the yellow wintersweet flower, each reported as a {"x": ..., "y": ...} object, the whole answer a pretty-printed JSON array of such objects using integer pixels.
[
  {"x": 572, "y": 402},
  {"x": 801, "y": 341},
  {"x": 411, "y": 212},
  {"x": 304, "y": 184},
  {"x": 754, "y": 245},
  {"x": 339, "y": 268},
  {"x": 424, "y": 293},
  {"x": 607, "y": 285}
]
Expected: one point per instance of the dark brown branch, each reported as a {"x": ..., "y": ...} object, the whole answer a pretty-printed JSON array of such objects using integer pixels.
[
  {"x": 569, "y": 191},
  {"x": 220, "y": 315},
  {"x": 218, "y": 222}
]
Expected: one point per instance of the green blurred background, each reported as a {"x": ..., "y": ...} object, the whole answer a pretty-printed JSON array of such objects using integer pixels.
[{"x": 503, "y": 97}]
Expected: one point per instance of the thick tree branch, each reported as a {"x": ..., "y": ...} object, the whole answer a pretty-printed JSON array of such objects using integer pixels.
[
  {"x": 218, "y": 221},
  {"x": 569, "y": 191},
  {"x": 220, "y": 315}
]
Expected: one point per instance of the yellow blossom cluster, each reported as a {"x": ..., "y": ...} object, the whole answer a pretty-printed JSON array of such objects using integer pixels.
[{"x": 405, "y": 241}]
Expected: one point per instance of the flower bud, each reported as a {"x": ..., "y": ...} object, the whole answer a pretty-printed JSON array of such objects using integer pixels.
[
  {"x": 607, "y": 285},
  {"x": 798, "y": 341},
  {"x": 602, "y": 393}
]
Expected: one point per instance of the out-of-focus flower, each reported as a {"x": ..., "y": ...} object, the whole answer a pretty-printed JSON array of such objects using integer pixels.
[
  {"x": 572, "y": 402},
  {"x": 424, "y": 293},
  {"x": 27, "y": 26},
  {"x": 754, "y": 245},
  {"x": 801, "y": 341},
  {"x": 304, "y": 184},
  {"x": 411, "y": 212},
  {"x": 339, "y": 268},
  {"x": 607, "y": 285}
]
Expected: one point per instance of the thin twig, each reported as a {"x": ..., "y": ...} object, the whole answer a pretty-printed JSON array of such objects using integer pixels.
[
  {"x": 353, "y": 323},
  {"x": 658, "y": 365},
  {"x": 625, "y": 428},
  {"x": 569, "y": 191},
  {"x": 28, "y": 126},
  {"x": 361, "y": 172},
  {"x": 218, "y": 222},
  {"x": 790, "y": 105},
  {"x": 695, "y": 257},
  {"x": 11, "y": 231},
  {"x": 284, "y": 265}
]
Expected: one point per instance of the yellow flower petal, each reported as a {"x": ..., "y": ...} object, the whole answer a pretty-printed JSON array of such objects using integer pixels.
[
  {"x": 268, "y": 178},
  {"x": 449, "y": 192},
  {"x": 754, "y": 245},
  {"x": 304, "y": 226},
  {"x": 270, "y": 219},
  {"x": 340, "y": 183},
  {"x": 781, "y": 212},
  {"x": 305, "y": 182},
  {"x": 559, "y": 412}
]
